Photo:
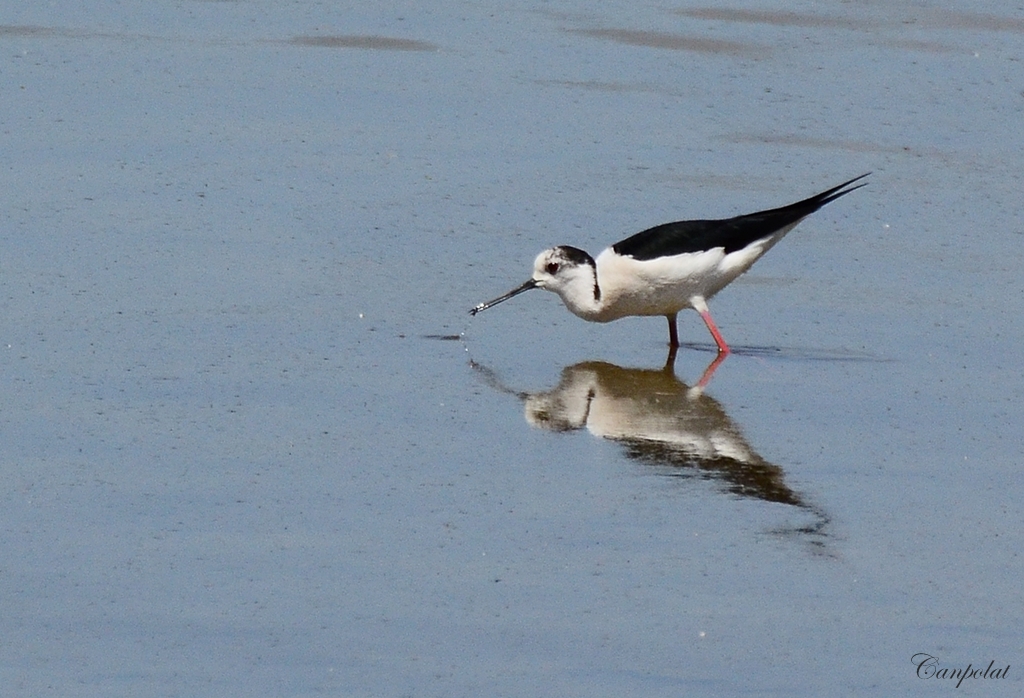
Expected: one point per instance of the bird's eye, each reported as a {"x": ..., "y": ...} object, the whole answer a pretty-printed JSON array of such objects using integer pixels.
[{"x": 552, "y": 268}]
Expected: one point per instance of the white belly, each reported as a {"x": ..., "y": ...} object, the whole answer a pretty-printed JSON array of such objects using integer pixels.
[{"x": 667, "y": 285}]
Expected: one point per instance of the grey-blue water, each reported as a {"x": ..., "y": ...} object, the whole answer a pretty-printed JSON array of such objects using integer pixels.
[{"x": 252, "y": 443}]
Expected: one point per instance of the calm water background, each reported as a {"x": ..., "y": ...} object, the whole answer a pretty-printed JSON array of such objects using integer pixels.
[{"x": 242, "y": 454}]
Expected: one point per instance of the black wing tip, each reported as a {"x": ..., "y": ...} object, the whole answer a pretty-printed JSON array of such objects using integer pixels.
[
  {"x": 855, "y": 179},
  {"x": 841, "y": 190},
  {"x": 813, "y": 203}
]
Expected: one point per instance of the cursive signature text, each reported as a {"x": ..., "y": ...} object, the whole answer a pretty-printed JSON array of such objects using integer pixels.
[{"x": 928, "y": 668}]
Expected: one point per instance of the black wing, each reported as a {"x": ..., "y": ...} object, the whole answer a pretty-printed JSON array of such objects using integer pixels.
[{"x": 731, "y": 233}]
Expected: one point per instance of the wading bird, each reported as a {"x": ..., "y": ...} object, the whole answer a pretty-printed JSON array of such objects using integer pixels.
[{"x": 668, "y": 268}]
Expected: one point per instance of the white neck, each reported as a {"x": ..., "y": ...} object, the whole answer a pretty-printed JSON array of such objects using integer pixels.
[{"x": 577, "y": 291}]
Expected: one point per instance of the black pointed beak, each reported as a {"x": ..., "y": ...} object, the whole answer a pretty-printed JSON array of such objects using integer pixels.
[{"x": 500, "y": 299}]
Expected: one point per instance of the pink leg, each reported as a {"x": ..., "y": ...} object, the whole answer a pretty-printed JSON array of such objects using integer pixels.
[
  {"x": 710, "y": 370},
  {"x": 723, "y": 348},
  {"x": 702, "y": 307}
]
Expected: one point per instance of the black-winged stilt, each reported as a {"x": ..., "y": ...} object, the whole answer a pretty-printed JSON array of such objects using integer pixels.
[{"x": 668, "y": 268}]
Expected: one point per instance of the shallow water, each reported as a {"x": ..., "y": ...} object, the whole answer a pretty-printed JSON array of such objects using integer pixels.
[{"x": 254, "y": 444}]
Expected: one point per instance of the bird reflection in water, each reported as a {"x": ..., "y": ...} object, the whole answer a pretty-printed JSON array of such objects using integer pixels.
[{"x": 664, "y": 423}]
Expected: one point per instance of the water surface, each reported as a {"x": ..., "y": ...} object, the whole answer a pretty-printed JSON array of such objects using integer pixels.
[{"x": 244, "y": 454}]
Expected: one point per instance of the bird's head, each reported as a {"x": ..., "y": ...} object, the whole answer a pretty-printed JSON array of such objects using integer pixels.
[
  {"x": 563, "y": 269},
  {"x": 568, "y": 271}
]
